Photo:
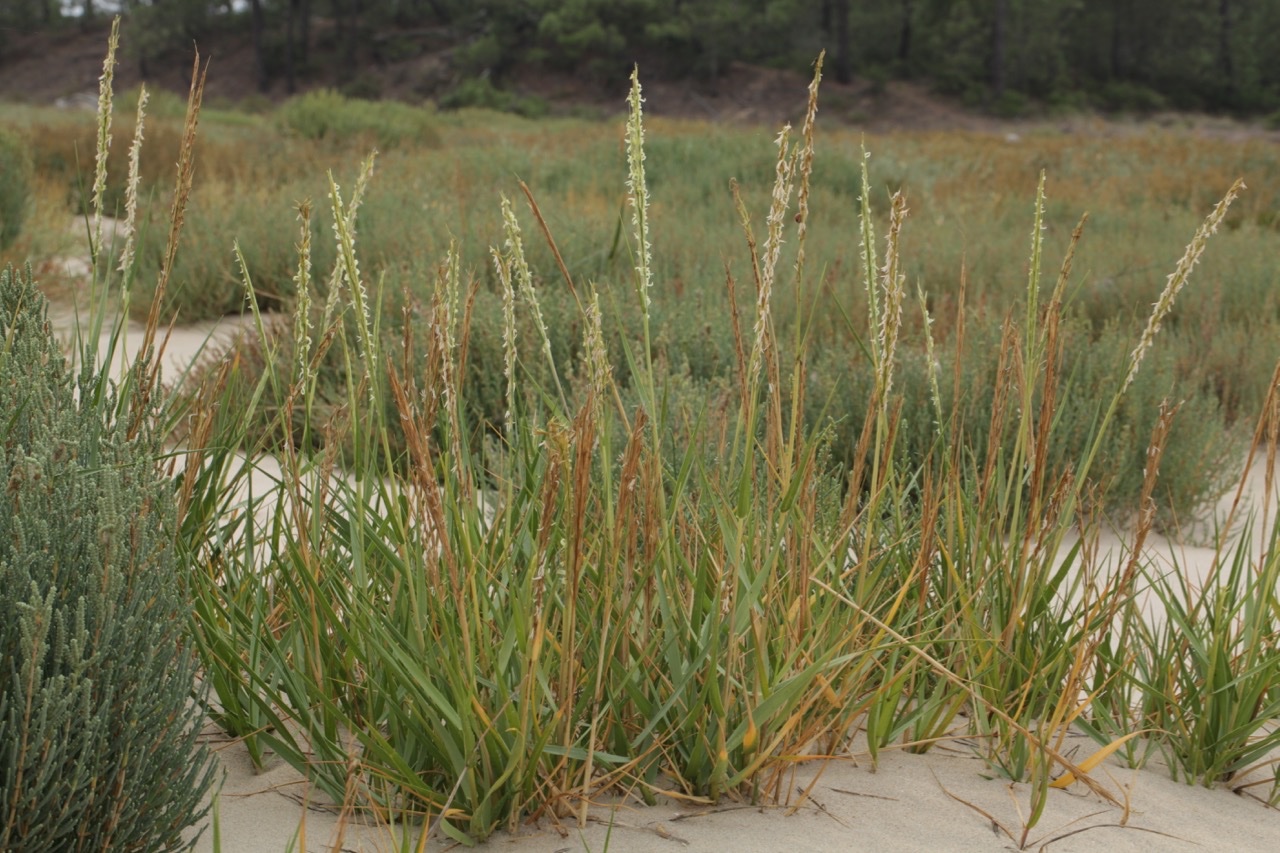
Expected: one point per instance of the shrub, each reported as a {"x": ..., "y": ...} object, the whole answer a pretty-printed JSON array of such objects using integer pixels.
[
  {"x": 1130, "y": 97},
  {"x": 479, "y": 92},
  {"x": 15, "y": 186},
  {"x": 97, "y": 731},
  {"x": 326, "y": 114}
]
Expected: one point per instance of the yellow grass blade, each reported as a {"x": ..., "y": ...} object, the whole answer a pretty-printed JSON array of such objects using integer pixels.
[{"x": 1094, "y": 760}]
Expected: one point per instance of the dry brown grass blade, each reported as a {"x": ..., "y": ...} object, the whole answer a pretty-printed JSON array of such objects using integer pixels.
[
  {"x": 181, "y": 194},
  {"x": 555, "y": 250},
  {"x": 999, "y": 406},
  {"x": 1264, "y": 435},
  {"x": 995, "y": 823},
  {"x": 1057, "y": 838},
  {"x": 735, "y": 321},
  {"x": 1052, "y": 355}
]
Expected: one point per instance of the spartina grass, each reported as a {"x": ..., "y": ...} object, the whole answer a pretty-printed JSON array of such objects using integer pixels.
[
  {"x": 561, "y": 522},
  {"x": 1016, "y": 623}
]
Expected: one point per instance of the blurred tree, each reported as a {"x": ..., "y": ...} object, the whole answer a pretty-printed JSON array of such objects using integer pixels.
[
  {"x": 1195, "y": 54},
  {"x": 999, "y": 27},
  {"x": 837, "y": 13},
  {"x": 259, "y": 57}
]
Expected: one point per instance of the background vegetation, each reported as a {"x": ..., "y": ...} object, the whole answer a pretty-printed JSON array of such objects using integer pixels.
[
  {"x": 1114, "y": 54},
  {"x": 967, "y": 199}
]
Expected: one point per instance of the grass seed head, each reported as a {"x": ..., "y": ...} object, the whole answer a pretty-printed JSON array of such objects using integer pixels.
[
  {"x": 302, "y": 284},
  {"x": 131, "y": 190},
  {"x": 104, "y": 134},
  {"x": 1178, "y": 279},
  {"x": 638, "y": 188}
]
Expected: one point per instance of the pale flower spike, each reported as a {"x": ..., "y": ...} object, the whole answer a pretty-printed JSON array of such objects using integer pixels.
[
  {"x": 595, "y": 351},
  {"x": 638, "y": 189},
  {"x": 776, "y": 219},
  {"x": 805, "y": 163},
  {"x": 447, "y": 320},
  {"x": 930, "y": 355},
  {"x": 508, "y": 334},
  {"x": 347, "y": 265},
  {"x": 867, "y": 230},
  {"x": 302, "y": 285},
  {"x": 131, "y": 190},
  {"x": 524, "y": 277},
  {"x": 893, "y": 284},
  {"x": 1177, "y": 279},
  {"x": 104, "y": 135}
]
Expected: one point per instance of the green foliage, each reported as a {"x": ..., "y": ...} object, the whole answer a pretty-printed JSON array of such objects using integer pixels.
[
  {"x": 480, "y": 92},
  {"x": 327, "y": 115},
  {"x": 97, "y": 734},
  {"x": 15, "y": 186},
  {"x": 1122, "y": 96}
]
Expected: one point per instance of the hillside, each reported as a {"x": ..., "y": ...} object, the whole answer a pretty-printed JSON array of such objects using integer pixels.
[{"x": 62, "y": 66}]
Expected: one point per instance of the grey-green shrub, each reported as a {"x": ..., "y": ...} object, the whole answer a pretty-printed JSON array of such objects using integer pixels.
[
  {"x": 326, "y": 114},
  {"x": 98, "y": 733},
  {"x": 15, "y": 186}
]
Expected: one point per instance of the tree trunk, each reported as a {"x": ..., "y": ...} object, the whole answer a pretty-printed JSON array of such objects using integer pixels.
[
  {"x": 305, "y": 35},
  {"x": 441, "y": 13},
  {"x": 998, "y": 36},
  {"x": 1117, "y": 34},
  {"x": 844, "y": 59},
  {"x": 1225, "y": 59},
  {"x": 345, "y": 27},
  {"x": 259, "y": 54},
  {"x": 904, "y": 34},
  {"x": 290, "y": 47},
  {"x": 353, "y": 36}
]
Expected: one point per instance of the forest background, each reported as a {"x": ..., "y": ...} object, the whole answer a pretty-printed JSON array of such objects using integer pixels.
[{"x": 1008, "y": 57}]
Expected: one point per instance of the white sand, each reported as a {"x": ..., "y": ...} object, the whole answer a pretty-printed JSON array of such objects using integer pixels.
[{"x": 911, "y": 802}]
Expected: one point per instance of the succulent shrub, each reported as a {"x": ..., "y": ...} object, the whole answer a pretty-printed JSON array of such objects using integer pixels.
[
  {"x": 98, "y": 730},
  {"x": 15, "y": 186}
]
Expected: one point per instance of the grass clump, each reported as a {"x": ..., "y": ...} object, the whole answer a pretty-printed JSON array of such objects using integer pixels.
[{"x": 641, "y": 586}]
